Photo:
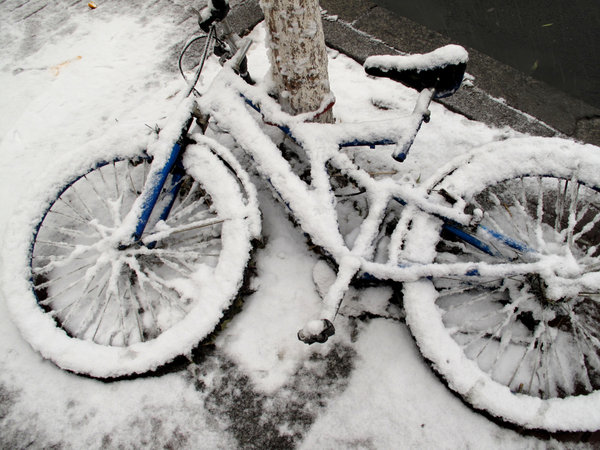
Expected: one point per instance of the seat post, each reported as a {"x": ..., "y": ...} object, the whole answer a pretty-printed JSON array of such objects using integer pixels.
[{"x": 423, "y": 102}]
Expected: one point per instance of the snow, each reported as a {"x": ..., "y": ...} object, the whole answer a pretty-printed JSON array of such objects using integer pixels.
[
  {"x": 441, "y": 57},
  {"x": 81, "y": 85},
  {"x": 387, "y": 405}
]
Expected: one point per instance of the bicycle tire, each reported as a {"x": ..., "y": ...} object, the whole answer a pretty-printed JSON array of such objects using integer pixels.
[
  {"x": 96, "y": 309},
  {"x": 508, "y": 346}
]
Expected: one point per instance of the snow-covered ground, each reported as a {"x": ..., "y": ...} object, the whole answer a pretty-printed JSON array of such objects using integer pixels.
[{"x": 79, "y": 84}]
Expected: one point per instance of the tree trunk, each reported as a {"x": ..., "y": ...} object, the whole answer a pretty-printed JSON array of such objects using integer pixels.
[{"x": 298, "y": 55}]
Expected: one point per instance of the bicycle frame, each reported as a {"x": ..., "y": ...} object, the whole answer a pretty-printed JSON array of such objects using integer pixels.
[
  {"x": 233, "y": 104},
  {"x": 227, "y": 103}
]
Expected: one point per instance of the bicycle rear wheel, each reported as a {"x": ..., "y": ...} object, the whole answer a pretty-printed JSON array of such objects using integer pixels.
[
  {"x": 508, "y": 346},
  {"x": 95, "y": 308}
]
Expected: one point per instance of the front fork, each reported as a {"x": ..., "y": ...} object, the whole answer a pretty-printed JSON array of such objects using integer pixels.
[{"x": 137, "y": 219}]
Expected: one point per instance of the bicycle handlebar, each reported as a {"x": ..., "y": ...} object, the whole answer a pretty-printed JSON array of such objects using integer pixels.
[{"x": 215, "y": 11}]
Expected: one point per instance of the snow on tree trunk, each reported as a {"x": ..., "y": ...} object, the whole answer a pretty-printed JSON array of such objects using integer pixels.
[{"x": 298, "y": 55}]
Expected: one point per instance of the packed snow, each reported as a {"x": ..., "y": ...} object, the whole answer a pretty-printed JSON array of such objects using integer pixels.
[
  {"x": 83, "y": 84},
  {"x": 441, "y": 57}
]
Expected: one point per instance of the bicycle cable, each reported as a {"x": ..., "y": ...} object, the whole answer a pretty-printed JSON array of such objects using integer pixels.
[{"x": 209, "y": 37}]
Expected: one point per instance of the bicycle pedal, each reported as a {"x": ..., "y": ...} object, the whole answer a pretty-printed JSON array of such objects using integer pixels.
[
  {"x": 475, "y": 213},
  {"x": 316, "y": 331},
  {"x": 450, "y": 198}
]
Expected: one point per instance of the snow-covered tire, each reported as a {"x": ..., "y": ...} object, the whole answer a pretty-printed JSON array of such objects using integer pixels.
[
  {"x": 505, "y": 345},
  {"x": 96, "y": 309}
]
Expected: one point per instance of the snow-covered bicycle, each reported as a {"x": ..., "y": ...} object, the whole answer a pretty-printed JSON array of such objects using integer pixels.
[{"x": 136, "y": 260}]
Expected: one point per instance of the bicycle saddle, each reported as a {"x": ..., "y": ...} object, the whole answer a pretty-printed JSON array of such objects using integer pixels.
[{"x": 442, "y": 69}]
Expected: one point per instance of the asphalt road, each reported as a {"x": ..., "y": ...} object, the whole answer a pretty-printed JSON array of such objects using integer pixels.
[{"x": 557, "y": 42}]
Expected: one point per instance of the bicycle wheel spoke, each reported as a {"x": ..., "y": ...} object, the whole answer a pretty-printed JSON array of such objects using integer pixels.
[
  {"x": 163, "y": 287},
  {"x": 134, "y": 190},
  {"x": 72, "y": 218},
  {"x": 177, "y": 265},
  {"x": 61, "y": 277},
  {"x": 572, "y": 212},
  {"x": 183, "y": 245},
  {"x": 116, "y": 179},
  {"x": 181, "y": 229},
  {"x": 72, "y": 232},
  {"x": 56, "y": 244},
  {"x": 183, "y": 207},
  {"x": 45, "y": 262},
  {"x": 559, "y": 205},
  {"x": 112, "y": 295},
  {"x": 159, "y": 285},
  {"x": 534, "y": 373},
  {"x": 539, "y": 233},
  {"x": 468, "y": 304},
  {"x": 59, "y": 261},
  {"x": 76, "y": 193},
  {"x": 507, "y": 226},
  {"x": 101, "y": 314},
  {"x": 70, "y": 206},
  {"x": 123, "y": 313},
  {"x": 594, "y": 342},
  {"x": 504, "y": 343},
  {"x": 501, "y": 207},
  {"x": 84, "y": 292},
  {"x": 190, "y": 213},
  {"x": 521, "y": 212},
  {"x": 89, "y": 316},
  {"x": 107, "y": 185},
  {"x": 188, "y": 255},
  {"x": 50, "y": 299},
  {"x": 460, "y": 289},
  {"x": 145, "y": 305},
  {"x": 138, "y": 320},
  {"x": 101, "y": 198},
  {"x": 583, "y": 374},
  {"x": 519, "y": 365},
  {"x": 495, "y": 332},
  {"x": 549, "y": 389},
  {"x": 565, "y": 384},
  {"x": 589, "y": 225}
]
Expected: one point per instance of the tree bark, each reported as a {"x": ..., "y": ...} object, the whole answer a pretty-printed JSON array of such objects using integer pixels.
[{"x": 298, "y": 55}]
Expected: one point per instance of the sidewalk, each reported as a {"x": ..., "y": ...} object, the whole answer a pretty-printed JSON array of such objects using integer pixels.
[{"x": 498, "y": 94}]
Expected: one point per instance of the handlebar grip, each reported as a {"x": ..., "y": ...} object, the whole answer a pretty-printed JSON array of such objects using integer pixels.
[{"x": 216, "y": 10}]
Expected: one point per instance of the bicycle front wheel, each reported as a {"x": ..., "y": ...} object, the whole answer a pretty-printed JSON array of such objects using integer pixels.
[
  {"x": 507, "y": 345},
  {"x": 95, "y": 308}
]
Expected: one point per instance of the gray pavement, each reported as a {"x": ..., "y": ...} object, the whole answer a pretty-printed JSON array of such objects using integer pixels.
[
  {"x": 499, "y": 95},
  {"x": 556, "y": 41}
]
